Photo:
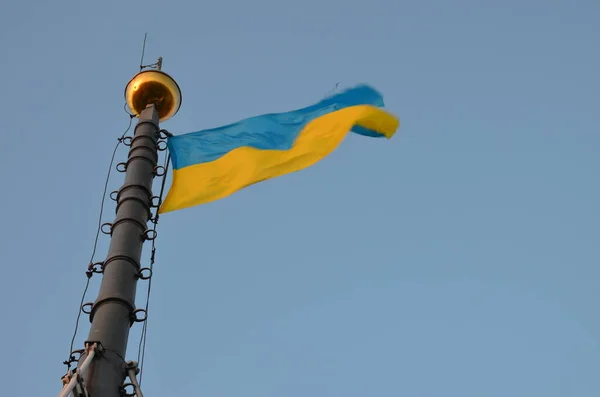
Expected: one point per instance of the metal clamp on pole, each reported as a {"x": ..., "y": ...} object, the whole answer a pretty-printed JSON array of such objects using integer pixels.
[
  {"x": 77, "y": 377},
  {"x": 132, "y": 371}
]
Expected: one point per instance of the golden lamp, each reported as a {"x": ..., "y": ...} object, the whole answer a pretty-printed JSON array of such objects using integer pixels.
[{"x": 153, "y": 86}]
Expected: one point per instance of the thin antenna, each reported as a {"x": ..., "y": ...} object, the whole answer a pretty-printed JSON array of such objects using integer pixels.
[
  {"x": 157, "y": 65},
  {"x": 143, "y": 51}
]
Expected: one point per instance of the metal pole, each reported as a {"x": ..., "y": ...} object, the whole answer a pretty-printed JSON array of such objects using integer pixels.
[{"x": 113, "y": 312}]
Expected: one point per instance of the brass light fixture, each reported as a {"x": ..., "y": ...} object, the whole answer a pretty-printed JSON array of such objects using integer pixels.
[{"x": 153, "y": 86}]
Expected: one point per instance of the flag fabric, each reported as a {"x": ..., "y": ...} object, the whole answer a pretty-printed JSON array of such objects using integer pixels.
[{"x": 212, "y": 164}]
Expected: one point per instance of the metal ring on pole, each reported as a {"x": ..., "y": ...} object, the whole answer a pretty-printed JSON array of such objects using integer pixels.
[
  {"x": 143, "y": 276},
  {"x": 124, "y": 188},
  {"x": 125, "y": 393},
  {"x": 161, "y": 146},
  {"x": 146, "y": 137},
  {"x": 145, "y": 203},
  {"x": 150, "y": 234},
  {"x": 164, "y": 134},
  {"x": 127, "y": 141},
  {"x": 88, "y": 304},
  {"x": 114, "y": 195},
  {"x": 131, "y": 220},
  {"x": 135, "y": 318},
  {"x": 72, "y": 357},
  {"x": 145, "y": 158},
  {"x": 104, "y": 226},
  {"x": 159, "y": 170},
  {"x": 98, "y": 267},
  {"x": 121, "y": 167},
  {"x": 126, "y": 258},
  {"x": 154, "y": 201}
]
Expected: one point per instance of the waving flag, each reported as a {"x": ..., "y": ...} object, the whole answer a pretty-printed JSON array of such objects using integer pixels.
[{"x": 211, "y": 164}]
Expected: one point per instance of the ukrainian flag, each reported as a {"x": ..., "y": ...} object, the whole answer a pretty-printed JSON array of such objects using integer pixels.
[{"x": 212, "y": 164}]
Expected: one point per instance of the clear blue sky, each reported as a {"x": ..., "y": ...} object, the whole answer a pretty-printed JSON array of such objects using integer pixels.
[{"x": 461, "y": 258}]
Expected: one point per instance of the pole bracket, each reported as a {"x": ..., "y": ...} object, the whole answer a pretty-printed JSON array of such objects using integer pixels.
[
  {"x": 131, "y": 370},
  {"x": 111, "y": 299},
  {"x": 90, "y": 343},
  {"x": 119, "y": 256}
]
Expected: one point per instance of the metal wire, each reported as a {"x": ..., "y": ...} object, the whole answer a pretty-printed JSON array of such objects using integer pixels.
[
  {"x": 142, "y": 345},
  {"x": 88, "y": 272}
]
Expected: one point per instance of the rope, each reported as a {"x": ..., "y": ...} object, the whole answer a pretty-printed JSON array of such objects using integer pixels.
[
  {"x": 142, "y": 345},
  {"x": 89, "y": 271}
]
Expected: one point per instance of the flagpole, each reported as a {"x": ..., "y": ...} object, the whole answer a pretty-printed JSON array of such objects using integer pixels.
[
  {"x": 114, "y": 312},
  {"x": 152, "y": 96}
]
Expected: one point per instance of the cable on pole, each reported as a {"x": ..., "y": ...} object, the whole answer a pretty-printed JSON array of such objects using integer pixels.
[
  {"x": 92, "y": 266},
  {"x": 164, "y": 134}
]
